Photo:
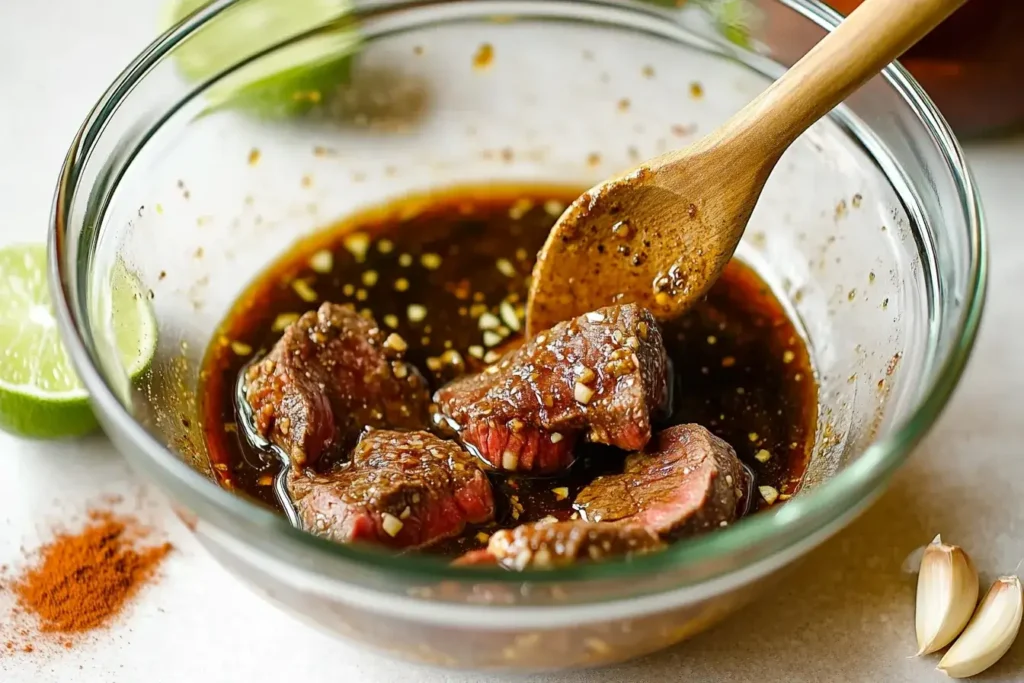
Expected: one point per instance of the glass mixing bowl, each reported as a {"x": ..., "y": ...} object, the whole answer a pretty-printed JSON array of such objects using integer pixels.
[{"x": 869, "y": 230}]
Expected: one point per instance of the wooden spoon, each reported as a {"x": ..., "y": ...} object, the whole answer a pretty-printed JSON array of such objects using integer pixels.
[{"x": 660, "y": 234}]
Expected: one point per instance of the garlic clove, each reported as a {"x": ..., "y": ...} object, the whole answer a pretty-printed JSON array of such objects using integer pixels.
[
  {"x": 947, "y": 593},
  {"x": 991, "y": 632}
]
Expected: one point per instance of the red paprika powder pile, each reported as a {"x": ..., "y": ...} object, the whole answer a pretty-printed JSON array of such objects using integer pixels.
[{"x": 82, "y": 580}]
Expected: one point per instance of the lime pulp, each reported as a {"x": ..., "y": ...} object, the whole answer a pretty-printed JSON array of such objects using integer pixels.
[{"x": 40, "y": 394}]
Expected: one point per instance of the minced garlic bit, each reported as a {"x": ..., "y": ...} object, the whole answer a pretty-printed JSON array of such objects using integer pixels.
[
  {"x": 595, "y": 316},
  {"x": 304, "y": 290},
  {"x": 554, "y": 208},
  {"x": 401, "y": 284},
  {"x": 476, "y": 351},
  {"x": 254, "y": 156},
  {"x": 241, "y": 348},
  {"x": 505, "y": 267},
  {"x": 582, "y": 393},
  {"x": 561, "y": 492},
  {"x": 509, "y": 316},
  {"x": 519, "y": 209},
  {"x": 712, "y": 339},
  {"x": 482, "y": 537},
  {"x": 357, "y": 243},
  {"x": 509, "y": 461},
  {"x": 385, "y": 246},
  {"x": 283, "y": 320},
  {"x": 769, "y": 493},
  {"x": 433, "y": 363},
  {"x": 453, "y": 358},
  {"x": 348, "y": 290},
  {"x": 788, "y": 356},
  {"x": 585, "y": 374},
  {"x": 491, "y": 338},
  {"x": 762, "y": 455},
  {"x": 416, "y": 312},
  {"x": 369, "y": 278},
  {"x": 556, "y": 437},
  {"x": 391, "y": 320},
  {"x": 430, "y": 261},
  {"x": 405, "y": 260},
  {"x": 492, "y": 357},
  {"x": 396, "y": 343},
  {"x": 488, "y": 321},
  {"x": 392, "y": 525},
  {"x": 753, "y": 436}
]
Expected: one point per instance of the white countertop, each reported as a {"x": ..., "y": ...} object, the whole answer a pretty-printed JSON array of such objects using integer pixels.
[{"x": 845, "y": 614}]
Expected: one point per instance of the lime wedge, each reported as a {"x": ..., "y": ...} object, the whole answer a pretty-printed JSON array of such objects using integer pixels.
[
  {"x": 40, "y": 394},
  {"x": 286, "y": 82}
]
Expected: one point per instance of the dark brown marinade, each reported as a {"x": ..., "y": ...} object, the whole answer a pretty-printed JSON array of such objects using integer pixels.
[{"x": 740, "y": 367}]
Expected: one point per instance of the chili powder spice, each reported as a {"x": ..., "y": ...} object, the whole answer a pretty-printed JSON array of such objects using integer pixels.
[{"x": 84, "y": 579}]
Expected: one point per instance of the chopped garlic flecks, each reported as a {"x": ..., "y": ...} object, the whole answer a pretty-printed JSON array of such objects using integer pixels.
[
  {"x": 416, "y": 313},
  {"x": 357, "y": 244},
  {"x": 769, "y": 493},
  {"x": 322, "y": 261},
  {"x": 392, "y": 525}
]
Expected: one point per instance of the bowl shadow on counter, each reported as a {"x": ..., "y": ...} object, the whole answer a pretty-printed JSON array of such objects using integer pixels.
[{"x": 849, "y": 604}]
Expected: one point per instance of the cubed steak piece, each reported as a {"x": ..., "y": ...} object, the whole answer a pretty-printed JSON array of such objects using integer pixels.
[
  {"x": 685, "y": 482},
  {"x": 602, "y": 375},
  {"x": 548, "y": 545},
  {"x": 332, "y": 373},
  {"x": 401, "y": 489}
]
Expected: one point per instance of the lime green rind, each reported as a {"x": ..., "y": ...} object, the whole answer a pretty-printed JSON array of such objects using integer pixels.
[
  {"x": 295, "y": 89},
  {"x": 33, "y": 418},
  {"x": 40, "y": 394},
  {"x": 286, "y": 83}
]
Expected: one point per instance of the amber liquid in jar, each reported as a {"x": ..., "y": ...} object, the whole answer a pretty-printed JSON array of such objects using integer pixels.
[{"x": 971, "y": 65}]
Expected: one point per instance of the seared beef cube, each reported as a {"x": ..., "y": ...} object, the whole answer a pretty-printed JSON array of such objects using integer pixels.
[
  {"x": 686, "y": 482},
  {"x": 401, "y": 489},
  {"x": 547, "y": 545},
  {"x": 331, "y": 374},
  {"x": 601, "y": 375}
]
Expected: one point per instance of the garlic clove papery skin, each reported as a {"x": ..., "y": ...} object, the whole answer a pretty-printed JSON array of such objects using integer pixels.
[
  {"x": 990, "y": 633},
  {"x": 947, "y": 593}
]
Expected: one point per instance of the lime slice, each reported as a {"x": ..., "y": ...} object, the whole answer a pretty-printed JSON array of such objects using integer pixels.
[
  {"x": 286, "y": 82},
  {"x": 40, "y": 394}
]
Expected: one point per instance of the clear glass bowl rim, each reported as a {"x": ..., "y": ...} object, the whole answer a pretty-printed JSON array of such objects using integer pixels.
[{"x": 814, "y": 514}]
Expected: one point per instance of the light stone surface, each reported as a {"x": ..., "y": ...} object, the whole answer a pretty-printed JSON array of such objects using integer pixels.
[{"x": 845, "y": 614}]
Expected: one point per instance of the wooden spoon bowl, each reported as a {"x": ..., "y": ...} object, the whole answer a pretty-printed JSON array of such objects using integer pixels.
[{"x": 660, "y": 234}]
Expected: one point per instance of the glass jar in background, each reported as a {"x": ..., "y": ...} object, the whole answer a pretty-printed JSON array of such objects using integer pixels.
[{"x": 972, "y": 65}]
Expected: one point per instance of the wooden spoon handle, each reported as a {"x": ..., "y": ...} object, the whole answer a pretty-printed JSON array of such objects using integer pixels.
[{"x": 875, "y": 34}]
